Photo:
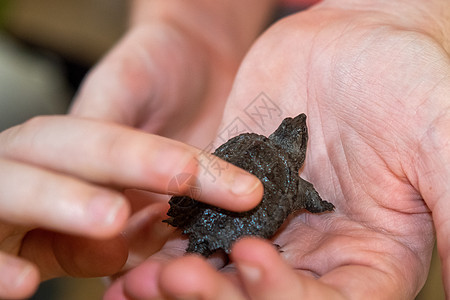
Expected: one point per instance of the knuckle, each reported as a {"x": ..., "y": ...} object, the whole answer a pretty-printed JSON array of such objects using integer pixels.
[{"x": 17, "y": 140}]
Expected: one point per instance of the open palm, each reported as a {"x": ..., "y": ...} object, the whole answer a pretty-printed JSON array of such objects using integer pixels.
[
  {"x": 151, "y": 73},
  {"x": 375, "y": 93}
]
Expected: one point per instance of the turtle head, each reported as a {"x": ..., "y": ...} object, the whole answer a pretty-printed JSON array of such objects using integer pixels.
[{"x": 292, "y": 136}]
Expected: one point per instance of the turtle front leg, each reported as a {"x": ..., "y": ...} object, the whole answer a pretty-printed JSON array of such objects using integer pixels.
[{"x": 309, "y": 197}]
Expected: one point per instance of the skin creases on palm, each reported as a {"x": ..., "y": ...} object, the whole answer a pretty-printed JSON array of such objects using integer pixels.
[{"x": 371, "y": 95}]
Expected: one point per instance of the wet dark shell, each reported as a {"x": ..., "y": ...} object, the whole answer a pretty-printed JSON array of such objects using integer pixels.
[{"x": 275, "y": 161}]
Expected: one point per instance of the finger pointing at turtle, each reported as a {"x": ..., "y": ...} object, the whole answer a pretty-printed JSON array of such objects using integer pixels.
[{"x": 115, "y": 155}]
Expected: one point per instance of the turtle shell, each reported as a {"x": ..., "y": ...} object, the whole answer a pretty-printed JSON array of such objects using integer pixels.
[{"x": 211, "y": 228}]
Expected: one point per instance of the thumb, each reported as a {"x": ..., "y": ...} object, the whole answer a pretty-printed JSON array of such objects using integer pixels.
[
  {"x": 266, "y": 276},
  {"x": 58, "y": 255},
  {"x": 120, "y": 78},
  {"x": 433, "y": 181}
]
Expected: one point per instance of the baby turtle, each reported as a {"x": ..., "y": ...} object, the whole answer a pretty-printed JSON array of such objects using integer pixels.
[{"x": 276, "y": 162}]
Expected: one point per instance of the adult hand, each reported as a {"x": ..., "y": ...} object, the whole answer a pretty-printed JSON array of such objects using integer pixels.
[
  {"x": 169, "y": 76},
  {"x": 374, "y": 84},
  {"x": 61, "y": 203}
]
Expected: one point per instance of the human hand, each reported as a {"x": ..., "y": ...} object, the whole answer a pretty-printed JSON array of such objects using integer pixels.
[
  {"x": 63, "y": 207},
  {"x": 374, "y": 86},
  {"x": 166, "y": 76}
]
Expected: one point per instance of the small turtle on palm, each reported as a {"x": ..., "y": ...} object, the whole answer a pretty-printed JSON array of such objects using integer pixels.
[{"x": 276, "y": 161}]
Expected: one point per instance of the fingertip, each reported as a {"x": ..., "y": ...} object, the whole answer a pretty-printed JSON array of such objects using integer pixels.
[
  {"x": 184, "y": 275},
  {"x": 254, "y": 249},
  {"x": 18, "y": 279},
  {"x": 83, "y": 257},
  {"x": 28, "y": 281},
  {"x": 248, "y": 190},
  {"x": 244, "y": 183},
  {"x": 265, "y": 275},
  {"x": 259, "y": 264},
  {"x": 107, "y": 214},
  {"x": 230, "y": 187},
  {"x": 142, "y": 282},
  {"x": 192, "y": 277},
  {"x": 115, "y": 291},
  {"x": 251, "y": 255}
]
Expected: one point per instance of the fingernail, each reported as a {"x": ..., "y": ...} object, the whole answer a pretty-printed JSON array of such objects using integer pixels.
[
  {"x": 250, "y": 273},
  {"x": 244, "y": 184},
  {"x": 103, "y": 209},
  {"x": 14, "y": 273},
  {"x": 23, "y": 276}
]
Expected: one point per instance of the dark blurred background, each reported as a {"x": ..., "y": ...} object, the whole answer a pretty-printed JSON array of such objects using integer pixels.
[{"x": 46, "y": 48}]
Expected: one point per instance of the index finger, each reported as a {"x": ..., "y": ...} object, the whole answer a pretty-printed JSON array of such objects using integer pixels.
[{"x": 111, "y": 154}]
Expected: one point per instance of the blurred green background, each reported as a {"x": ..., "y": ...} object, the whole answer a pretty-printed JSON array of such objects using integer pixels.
[{"x": 48, "y": 46}]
